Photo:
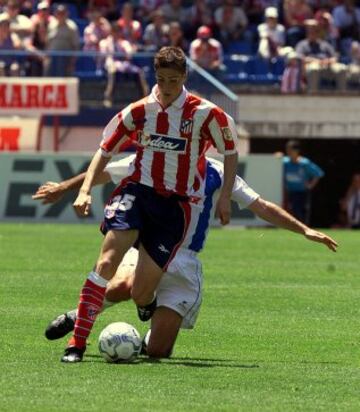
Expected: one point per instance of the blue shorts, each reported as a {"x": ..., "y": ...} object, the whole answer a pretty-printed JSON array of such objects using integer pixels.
[{"x": 162, "y": 221}]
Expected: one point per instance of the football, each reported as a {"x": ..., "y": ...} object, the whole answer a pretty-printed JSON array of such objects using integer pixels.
[{"x": 119, "y": 342}]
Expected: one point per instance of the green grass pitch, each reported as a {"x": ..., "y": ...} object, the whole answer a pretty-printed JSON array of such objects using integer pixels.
[{"x": 278, "y": 330}]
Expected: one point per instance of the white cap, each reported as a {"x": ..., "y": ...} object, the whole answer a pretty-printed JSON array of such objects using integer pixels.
[
  {"x": 271, "y": 12},
  {"x": 43, "y": 5}
]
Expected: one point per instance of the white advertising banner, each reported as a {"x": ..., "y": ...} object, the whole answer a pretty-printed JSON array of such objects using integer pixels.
[
  {"x": 19, "y": 134},
  {"x": 21, "y": 175},
  {"x": 33, "y": 96}
]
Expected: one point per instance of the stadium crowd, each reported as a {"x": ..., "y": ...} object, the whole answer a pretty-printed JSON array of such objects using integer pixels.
[{"x": 317, "y": 39}]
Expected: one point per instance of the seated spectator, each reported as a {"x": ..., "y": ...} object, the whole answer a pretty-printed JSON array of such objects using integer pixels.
[
  {"x": 353, "y": 71},
  {"x": 131, "y": 28},
  {"x": 295, "y": 14},
  {"x": 107, "y": 8},
  {"x": 37, "y": 43},
  {"x": 199, "y": 14},
  {"x": 327, "y": 29},
  {"x": 63, "y": 35},
  {"x": 146, "y": 9},
  {"x": 173, "y": 10},
  {"x": 255, "y": 10},
  {"x": 98, "y": 29},
  {"x": 231, "y": 22},
  {"x": 271, "y": 35},
  {"x": 293, "y": 79},
  {"x": 207, "y": 52},
  {"x": 176, "y": 36},
  {"x": 8, "y": 41},
  {"x": 320, "y": 59},
  {"x": 117, "y": 52},
  {"x": 156, "y": 34},
  {"x": 351, "y": 203},
  {"x": 19, "y": 24},
  {"x": 347, "y": 20}
]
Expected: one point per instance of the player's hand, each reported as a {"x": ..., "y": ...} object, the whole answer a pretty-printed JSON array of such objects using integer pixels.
[
  {"x": 82, "y": 204},
  {"x": 49, "y": 192},
  {"x": 223, "y": 210},
  {"x": 320, "y": 237}
]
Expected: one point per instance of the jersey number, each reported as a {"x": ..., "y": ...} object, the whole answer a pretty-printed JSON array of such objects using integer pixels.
[{"x": 124, "y": 202}]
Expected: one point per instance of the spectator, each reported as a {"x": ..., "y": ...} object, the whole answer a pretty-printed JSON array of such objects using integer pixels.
[
  {"x": 207, "y": 52},
  {"x": 130, "y": 27},
  {"x": 320, "y": 59},
  {"x": 353, "y": 71},
  {"x": 173, "y": 10},
  {"x": 296, "y": 12},
  {"x": 301, "y": 176},
  {"x": 19, "y": 24},
  {"x": 98, "y": 29},
  {"x": 231, "y": 22},
  {"x": 156, "y": 34},
  {"x": 347, "y": 20},
  {"x": 37, "y": 43},
  {"x": 292, "y": 80},
  {"x": 351, "y": 203},
  {"x": 118, "y": 52},
  {"x": 271, "y": 35},
  {"x": 176, "y": 36},
  {"x": 107, "y": 8},
  {"x": 63, "y": 35},
  {"x": 8, "y": 41},
  {"x": 199, "y": 14},
  {"x": 147, "y": 8},
  {"x": 327, "y": 29}
]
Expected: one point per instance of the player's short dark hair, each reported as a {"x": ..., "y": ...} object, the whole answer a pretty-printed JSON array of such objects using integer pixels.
[
  {"x": 293, "y": 145},
  {"x": 170, "y": 57}
]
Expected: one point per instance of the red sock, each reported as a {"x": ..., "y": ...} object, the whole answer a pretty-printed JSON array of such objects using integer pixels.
[{"x": 91, "y": 300}]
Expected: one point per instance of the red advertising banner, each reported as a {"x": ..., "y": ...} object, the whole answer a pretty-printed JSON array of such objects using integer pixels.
[
  {"x": 38, "y": 96},
  {"x": 19, "y": 134}
]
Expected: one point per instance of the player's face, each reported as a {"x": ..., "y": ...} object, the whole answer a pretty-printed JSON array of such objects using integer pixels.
[{"x": 170, "y": 83}]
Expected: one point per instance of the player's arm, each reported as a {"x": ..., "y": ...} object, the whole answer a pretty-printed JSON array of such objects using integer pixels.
[
  {"x": 279, "y": 217},
  {"x": 118, "y": 130},
  {"x": 52, "y": 192},
  {"x": 223, "y": 134}
]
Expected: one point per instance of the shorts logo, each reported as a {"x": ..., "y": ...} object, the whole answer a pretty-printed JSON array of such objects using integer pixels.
[
  {"x": 226, "y": 132},
  {"x": 186, "y": 126},
  {"x": 164, "y": 143},
  {"x": 163, "y": 249}
]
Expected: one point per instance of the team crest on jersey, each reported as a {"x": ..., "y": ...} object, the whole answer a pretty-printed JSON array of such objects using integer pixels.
[
  {"x": 163, "y": 143},
  {"x": 226, "y": 132},
  {"x": 186, "y": 126}
]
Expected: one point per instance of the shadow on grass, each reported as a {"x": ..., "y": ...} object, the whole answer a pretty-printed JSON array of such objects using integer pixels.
[{"x": 185, "y": 361}]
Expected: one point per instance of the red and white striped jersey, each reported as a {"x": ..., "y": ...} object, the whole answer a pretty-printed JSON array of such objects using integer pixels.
[{"x": 171, "y": 142}]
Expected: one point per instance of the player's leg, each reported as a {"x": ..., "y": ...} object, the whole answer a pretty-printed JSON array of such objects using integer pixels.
[
  {"x": 115, "y": 245},
  {"x": 165, "y": 326}
]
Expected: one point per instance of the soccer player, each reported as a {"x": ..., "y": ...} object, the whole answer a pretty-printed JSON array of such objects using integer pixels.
[
  {"x": 172, "y": 130},
  {"x": 179, "y": 291}
]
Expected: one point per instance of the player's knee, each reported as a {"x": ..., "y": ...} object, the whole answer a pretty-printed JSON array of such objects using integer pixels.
[{"x": 119, "y": 291}]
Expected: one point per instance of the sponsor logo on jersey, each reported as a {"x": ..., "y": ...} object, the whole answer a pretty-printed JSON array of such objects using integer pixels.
[
  {"x": 186, "y": 126},
  {"x": 226, "y": 132},
  {"x": 164, "y": 143}
]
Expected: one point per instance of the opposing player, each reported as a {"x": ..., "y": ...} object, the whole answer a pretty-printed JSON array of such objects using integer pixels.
[
  {"x": 179, "y": 291},
  {"x": 172, "y": 130}
]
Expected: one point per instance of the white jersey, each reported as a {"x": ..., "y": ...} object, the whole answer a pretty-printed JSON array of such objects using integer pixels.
[{"x": 202, "y": 207}]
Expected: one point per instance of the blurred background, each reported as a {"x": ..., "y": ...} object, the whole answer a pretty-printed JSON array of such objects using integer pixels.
[{"x": 287, "y": 71}]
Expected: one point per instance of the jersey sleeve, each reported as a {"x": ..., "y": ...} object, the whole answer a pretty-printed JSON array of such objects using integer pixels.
[
  {"x": 118, "y": 169},
  {"x": 314, "y": 170},
  {"x": 116, "y": 132},
  {"x": 242, "y": 194},
  {"x": 222, "y": 131}
]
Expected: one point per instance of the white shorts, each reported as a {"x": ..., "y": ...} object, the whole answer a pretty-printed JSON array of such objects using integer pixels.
[{"x": 180, "y": 288}]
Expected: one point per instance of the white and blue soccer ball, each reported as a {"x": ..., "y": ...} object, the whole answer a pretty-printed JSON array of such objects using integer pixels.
[{"x": 119, "y": 342}]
